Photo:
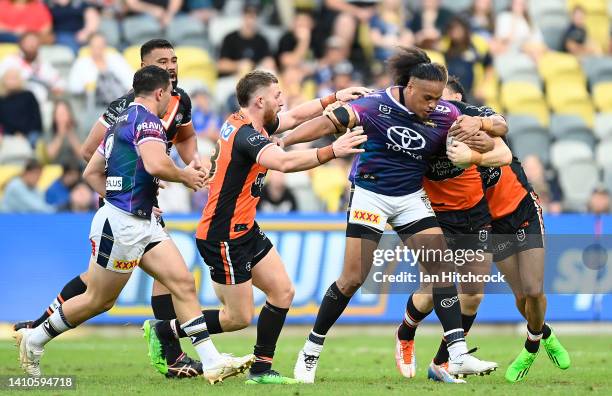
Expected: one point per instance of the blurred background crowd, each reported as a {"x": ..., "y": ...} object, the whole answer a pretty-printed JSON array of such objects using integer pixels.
[{"x": 545, "y": 64}]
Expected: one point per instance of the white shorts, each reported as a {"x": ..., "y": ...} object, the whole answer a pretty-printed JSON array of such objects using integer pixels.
[
  {"x": 119, "y": 239},
  {"x": 369, "y": 212}
]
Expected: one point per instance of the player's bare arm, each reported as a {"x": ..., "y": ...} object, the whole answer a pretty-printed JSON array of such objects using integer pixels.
[
  {"x": 467, "y": 126},
  {"x": 158, "y": 164},
  {"x": 95, "y": 175},
  {"x": 315, "y": 107},
  {"x": 294, "y": 161},
  {"x": 96, "y": 134},
  {"x": 462, "y": 156},
  {"x": 337, "y": 120},
  {"x": 186, "y": 144}
]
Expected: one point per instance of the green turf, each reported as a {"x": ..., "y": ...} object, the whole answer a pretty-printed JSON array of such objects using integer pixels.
[{"x": 351, "y": 365}]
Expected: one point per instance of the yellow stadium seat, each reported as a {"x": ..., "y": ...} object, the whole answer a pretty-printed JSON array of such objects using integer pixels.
[
  {"x": 7, "y": 172},
  {"x": 197, "y": 64},
  {"x": 8, "y": 49},
  {"x": 558, "y": 65},
  {"x": 520, "y": 97},
  {"x": 590, "y": 6},
  {"x": 50, "y": 174},
  {"x": 559, "y": 93},
  {"x": 85, "y": 51},
  {"x": 598, "y": 29},
  {"x": 583, "y": 108},
  {"x": 602, "y": 96},
  {"x": 436, "y": 57},
  {"x": 132, "y": 56}
]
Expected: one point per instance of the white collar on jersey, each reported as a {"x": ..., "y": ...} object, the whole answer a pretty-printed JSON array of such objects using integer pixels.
[{"x": 390, "y": 95}]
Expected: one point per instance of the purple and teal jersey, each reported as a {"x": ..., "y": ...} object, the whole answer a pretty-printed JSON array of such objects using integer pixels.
[
  {"x": 128, "y": 185},
  {"x": 399, "y": 144}
]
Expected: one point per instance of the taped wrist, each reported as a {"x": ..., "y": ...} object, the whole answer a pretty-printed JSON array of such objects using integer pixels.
[
  {"x": 329, "y": 99},
  {"x": 342, "y": 118},
  {"x": 325, "y": 154},
  {"x": 486, "y": 124}
]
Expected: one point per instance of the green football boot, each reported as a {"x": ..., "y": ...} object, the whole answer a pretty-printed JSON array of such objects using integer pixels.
[
  {"x": 556, "y": 352},
  {"x": 270, "y": 377},
  {"x": 519, "y": 368}
]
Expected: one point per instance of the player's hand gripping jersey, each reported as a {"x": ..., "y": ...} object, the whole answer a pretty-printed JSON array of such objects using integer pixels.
[
  {"x": 236, "y": 179},
  {"x": 128, "y": 185},
  {"x": 451, "y": 188},
  {"x": 399, "y": 144}
]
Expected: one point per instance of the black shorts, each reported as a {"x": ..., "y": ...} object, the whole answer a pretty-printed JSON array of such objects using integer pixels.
[
  {"x": 467, "y": 229},
  {"x": 230, "y": 262},
  {"x": 519, "y": 231}
]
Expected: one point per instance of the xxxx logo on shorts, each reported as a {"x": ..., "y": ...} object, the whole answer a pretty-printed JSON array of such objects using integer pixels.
[
  {"x": 125, "y": 265},
  {"x": 366, "y": 216}
]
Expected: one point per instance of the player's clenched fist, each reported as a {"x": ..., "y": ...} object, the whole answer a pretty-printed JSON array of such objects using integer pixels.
[
  {"x": 352, "y": 93},
  {"x": 194, "y": 178},
  {"x": 349, "y": 142},
  {"x": 465, "y": 127},
  {"x": 459, "y": 154}
]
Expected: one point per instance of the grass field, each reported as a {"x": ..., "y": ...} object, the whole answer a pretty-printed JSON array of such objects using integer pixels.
[{"x": 356, "y": 361}]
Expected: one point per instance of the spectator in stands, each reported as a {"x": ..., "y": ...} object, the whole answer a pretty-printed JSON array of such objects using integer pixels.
[
  {"x": 515, "y": 32},
  {"x": 429, "y": 23},
  {"x": 202, "y": 10},
  {"x": 58, "y": 193},
  {"x": 102, "y": 71},
  {"x": 81, "y": 199},
  {"x": 341, "y": 18},
  {"x": 63, "y": 145},
  {"x": 162, "y": 10},
  {"x": 294, "y": 46},
  {"x": 40, "y": 76},
  {"x": 21, "y": 195},
  {"x": 575, "y": 39},
  {"x": 19, "y": 110},
  {"x": 18, "y": 17},
  {"x": 599, "y": 203},
  {"x": 275, "y": 196},
  {"x": 245, "y": 49},
  {"x": 481, "y": 16},
  {"x": 206, "y": 121},
  {"x": 336, "y": 51},
  {"x": 545, "y": 184},
  {"x": 462, "y": 57},
  {"x": 296, "y": 88},
  {"x": 388, "y": 29},
  {"x": 73, "y": 22}
]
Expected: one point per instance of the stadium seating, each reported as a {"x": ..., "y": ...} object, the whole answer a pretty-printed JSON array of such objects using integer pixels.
[
  {"x": 524, "y": 98},
  {"x": 555, "y": 66},
  {"x": 109, "y": 27},
  {"x": 8, "y": 49},
  {"x": 49, "y": 174},
  {"x": 597, "y": 69},
  {"x": 132, "y": 56},
  {"x": 603, "y": 125},
  {"x": 552, "y": 18},
  {"x": 195, "y": 63},
  {"x": 570, "y": 97},
  {"x": 187, "y": 31},
  {"x": 518, "y": 123},
  {"x": 564, "y": 152},
  {"x": 61, "y": 57},
  {"x": 457, "y": 6},
  {"x": 138, "y": 29},
  {"x": 608, "y": 177},
  {"x": 603, "y": 154},
  {"x": 571, "y": 127},
  {"x": 517, "y": 67},
  {"x": 578, "y": 180},
  {"x": 602, "y": 96},
  {"x": 532, "y": 141},
  {"x": 220, "y": 27}
]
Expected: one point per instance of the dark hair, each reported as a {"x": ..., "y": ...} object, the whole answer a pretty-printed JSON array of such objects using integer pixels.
[
  {"x": 150, "y": 78},
  {"x": 456, "y": 48},
  {"x": 455, "y": 85},
  {"x": 154, "y": 44},
  {"x": 414, "y": 62},
  {"x": 31, "y": 165},
  {"x": 73, "y": 120},
  {"x": 70, "y": 167},
  {"x": 250, "y": 83}
]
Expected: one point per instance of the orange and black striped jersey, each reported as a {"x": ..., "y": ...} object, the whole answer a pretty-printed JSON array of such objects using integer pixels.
[
  {"x": 236, "y": 180},
  {"x": 450, "y": 188},
  {"x": 505, "y": 187}
]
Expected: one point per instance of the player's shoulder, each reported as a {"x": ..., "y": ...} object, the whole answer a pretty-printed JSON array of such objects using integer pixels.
[
  {"x": 122, "y": 103},
  {"x": 182, "y": 94},
  {"x": 445, "y": 107},
  {"x": 472, "y": 110},
  {"x": 234, "y": 124}
]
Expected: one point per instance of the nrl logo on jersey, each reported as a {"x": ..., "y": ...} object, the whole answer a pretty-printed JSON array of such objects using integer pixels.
[
  {"x": 384, "y": 109},
  {"x": 178, "y": 118}
]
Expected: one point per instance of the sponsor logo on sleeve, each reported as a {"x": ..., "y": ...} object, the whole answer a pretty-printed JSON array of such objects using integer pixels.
[{"x": 257, "y": 139}]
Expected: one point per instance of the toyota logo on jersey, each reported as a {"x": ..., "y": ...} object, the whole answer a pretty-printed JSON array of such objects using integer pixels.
[{"x": 406, "y": 138}]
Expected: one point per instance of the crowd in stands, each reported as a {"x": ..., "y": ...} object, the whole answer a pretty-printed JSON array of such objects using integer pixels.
[{"x": 63, "y": 61}]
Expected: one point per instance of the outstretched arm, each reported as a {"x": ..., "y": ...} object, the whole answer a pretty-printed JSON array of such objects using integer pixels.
[
  {"x": 315, "y": 107},
  {"x": 337, "y": 120}
]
